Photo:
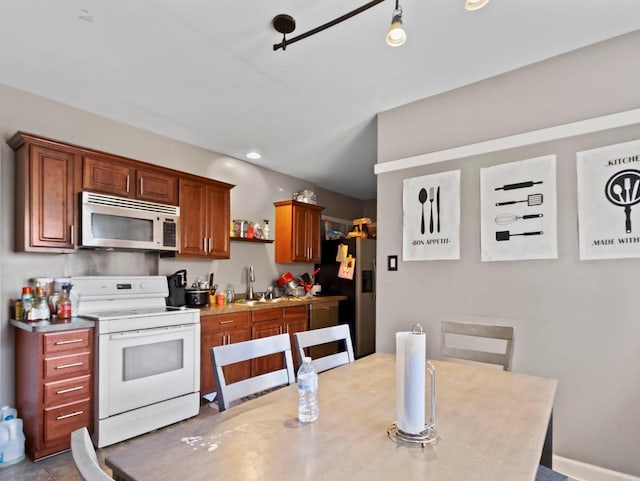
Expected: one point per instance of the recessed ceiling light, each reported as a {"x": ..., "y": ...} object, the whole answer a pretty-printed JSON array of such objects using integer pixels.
[
  {"x": 472, "y": 5},
  {"x": 253, "y": 155}
]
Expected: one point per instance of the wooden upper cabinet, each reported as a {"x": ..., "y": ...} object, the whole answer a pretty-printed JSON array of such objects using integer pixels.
[
  {"x": 204, "y": 218},
  {"x": 45, "y": 193},
  {"x": 297, "y": 237},
  {"x": 156, "y": 186},
  {"x": 127, "y": 179}
]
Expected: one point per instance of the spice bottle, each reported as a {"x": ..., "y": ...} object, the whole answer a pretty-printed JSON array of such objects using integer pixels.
[
  {"x": 265, "y": 229},
  {"x": 27, "y": 301},
  {"x": 64, "y": 303}
]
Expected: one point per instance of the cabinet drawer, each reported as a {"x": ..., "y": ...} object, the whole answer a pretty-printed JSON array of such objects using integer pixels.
[
  {"x": 69, "y": 390},
  {"x": 67, "y": 366},
  {"x": 295, "y": 311},
  {"x": 59, "y": 422},
  {"x": 224, "y": 321},
  {"x": 59, "y": 342},
  {"x": 266, "y": 314}
]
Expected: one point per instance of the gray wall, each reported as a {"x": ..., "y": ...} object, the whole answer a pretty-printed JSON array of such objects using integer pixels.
[
  {"x": 252, "y": 198},
  {"x": 576, "y": 321}
]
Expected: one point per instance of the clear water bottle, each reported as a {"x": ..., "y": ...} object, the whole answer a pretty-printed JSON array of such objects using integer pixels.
[{"x": 308, "y": 392}]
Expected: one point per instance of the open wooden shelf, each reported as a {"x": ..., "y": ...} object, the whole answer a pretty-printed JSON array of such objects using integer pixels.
[{"x": 257, "y": 241}]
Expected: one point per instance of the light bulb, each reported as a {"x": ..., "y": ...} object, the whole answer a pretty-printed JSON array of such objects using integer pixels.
[{"x": 396, "y": 35}]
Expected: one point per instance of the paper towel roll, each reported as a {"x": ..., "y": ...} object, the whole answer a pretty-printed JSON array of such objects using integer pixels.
[{"x": 411, "y": 353}]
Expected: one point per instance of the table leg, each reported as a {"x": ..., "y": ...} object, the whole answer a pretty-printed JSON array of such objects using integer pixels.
[{"x": 547, "y": 448}]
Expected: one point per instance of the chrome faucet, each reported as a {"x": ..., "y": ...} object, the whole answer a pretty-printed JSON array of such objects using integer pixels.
[{"x": 252, "y": 278}]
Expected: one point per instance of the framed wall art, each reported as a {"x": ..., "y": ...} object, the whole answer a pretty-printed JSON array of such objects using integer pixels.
[
  {"x": 518, "y": 210},
  {"x": 431, "y": 217},
  {"x": 609, "y": 201}
]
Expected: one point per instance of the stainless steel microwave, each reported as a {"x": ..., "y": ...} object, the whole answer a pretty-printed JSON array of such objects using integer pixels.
[{"x": 116, "y": 222}]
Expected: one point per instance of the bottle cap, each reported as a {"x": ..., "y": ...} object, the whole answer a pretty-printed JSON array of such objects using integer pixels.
[
  {"x": 306, "y": 359},
  {"x": 27, "y": 290}
]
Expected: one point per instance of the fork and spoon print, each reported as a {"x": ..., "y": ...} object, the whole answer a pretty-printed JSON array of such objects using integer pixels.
[
  {"x": 622, "y": 189},
  {"x": 423, "y": 196}
]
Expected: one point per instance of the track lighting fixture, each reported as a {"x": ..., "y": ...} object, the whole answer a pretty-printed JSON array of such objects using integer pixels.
[
  {"x": 396, "y": 35},
  {"x": 285, "y": 24}
]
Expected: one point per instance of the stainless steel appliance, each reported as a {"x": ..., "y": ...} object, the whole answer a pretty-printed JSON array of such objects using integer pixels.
[
  {"x": 147, "y": 355},
  {"x": 115, "y": 222},
  {"x": 359, "y": 310}
]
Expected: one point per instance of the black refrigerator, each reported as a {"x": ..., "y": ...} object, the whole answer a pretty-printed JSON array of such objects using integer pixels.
[{"x": 359, "y": 310}]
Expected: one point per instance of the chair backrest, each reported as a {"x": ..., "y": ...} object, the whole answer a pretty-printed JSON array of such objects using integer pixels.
[
  {"x": 315, "y": 337},
  {"x": 242, "y": 351},
  {"x": 84, "y": 456},
  {"x": 504, "y": 333}
]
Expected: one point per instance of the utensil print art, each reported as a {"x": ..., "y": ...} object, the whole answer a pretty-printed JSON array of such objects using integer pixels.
[
  {"x": 431, "y": 210},
  {"x": 619, "y": 191},
  {"x": 531, "y": 200},
  {"x": 505, "y": 235},
  {"x": 504, "y": 219},
  {"x": 519, "y": 185},
  {"x": 422, "y": 197},
  {"x": 438, "y": 206}
]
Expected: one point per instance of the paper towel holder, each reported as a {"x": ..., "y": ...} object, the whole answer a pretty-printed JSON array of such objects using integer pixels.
[{"x": 429, "y": 434}]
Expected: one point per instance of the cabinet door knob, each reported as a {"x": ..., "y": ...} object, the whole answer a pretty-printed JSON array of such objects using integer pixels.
[{"x": 127, "y": 184}]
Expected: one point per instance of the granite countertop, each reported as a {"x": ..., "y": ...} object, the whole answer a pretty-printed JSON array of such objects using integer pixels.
[
  {"x": 270, "y": 304},
  {"x": 81, "y": 323},
  {"x": 53, "y": 325}
]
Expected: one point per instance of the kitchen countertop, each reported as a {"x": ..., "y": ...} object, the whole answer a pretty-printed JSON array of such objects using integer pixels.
[
  {"x": 257, "y": 305},
  {"x": 80, "y": 323},
  {"x": 53, "y": 325}
]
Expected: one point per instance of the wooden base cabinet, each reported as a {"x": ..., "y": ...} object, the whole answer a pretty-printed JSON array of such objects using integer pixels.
[
  {"x": 271, "y": 322},
  {"x": 56, "y": 397},
  {"x": 219, "y": 330}
]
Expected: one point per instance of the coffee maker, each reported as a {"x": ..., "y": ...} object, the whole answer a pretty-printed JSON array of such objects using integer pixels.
[{"x": 177, "y": 283}]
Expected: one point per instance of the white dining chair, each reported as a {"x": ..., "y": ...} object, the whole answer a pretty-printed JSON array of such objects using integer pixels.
[
  {"x": 242, "y": 351},
  {"x": 316, "y": 337},
  {"x": 84, "y": 457},
  {"x": 469, "y": 351}
]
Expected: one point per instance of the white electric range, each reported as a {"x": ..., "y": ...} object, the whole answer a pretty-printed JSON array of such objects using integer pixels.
[{"x": 147, "y": 355}]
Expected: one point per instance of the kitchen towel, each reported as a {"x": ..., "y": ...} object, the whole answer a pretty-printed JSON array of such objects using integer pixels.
[{"x": 411, "y": 354}]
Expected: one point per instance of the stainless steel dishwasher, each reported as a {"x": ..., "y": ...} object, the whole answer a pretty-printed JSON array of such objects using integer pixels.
[{"x": 323, "y": 314}]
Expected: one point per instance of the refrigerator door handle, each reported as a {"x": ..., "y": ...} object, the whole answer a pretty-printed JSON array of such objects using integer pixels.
[{"x": 373, "y": 261}]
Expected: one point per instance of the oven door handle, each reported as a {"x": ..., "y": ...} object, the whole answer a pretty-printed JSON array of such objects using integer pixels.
[{"x": 150, "y": 332}]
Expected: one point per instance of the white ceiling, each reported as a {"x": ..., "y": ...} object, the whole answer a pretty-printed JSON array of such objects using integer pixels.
[{"x": 204, "y": 72}]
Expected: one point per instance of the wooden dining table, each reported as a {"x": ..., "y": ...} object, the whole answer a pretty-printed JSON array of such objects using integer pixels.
[{"x": 491, "y": 426}]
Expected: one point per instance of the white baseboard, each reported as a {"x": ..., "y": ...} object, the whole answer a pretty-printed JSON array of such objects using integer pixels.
[{"x": 588, "y": 472}]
